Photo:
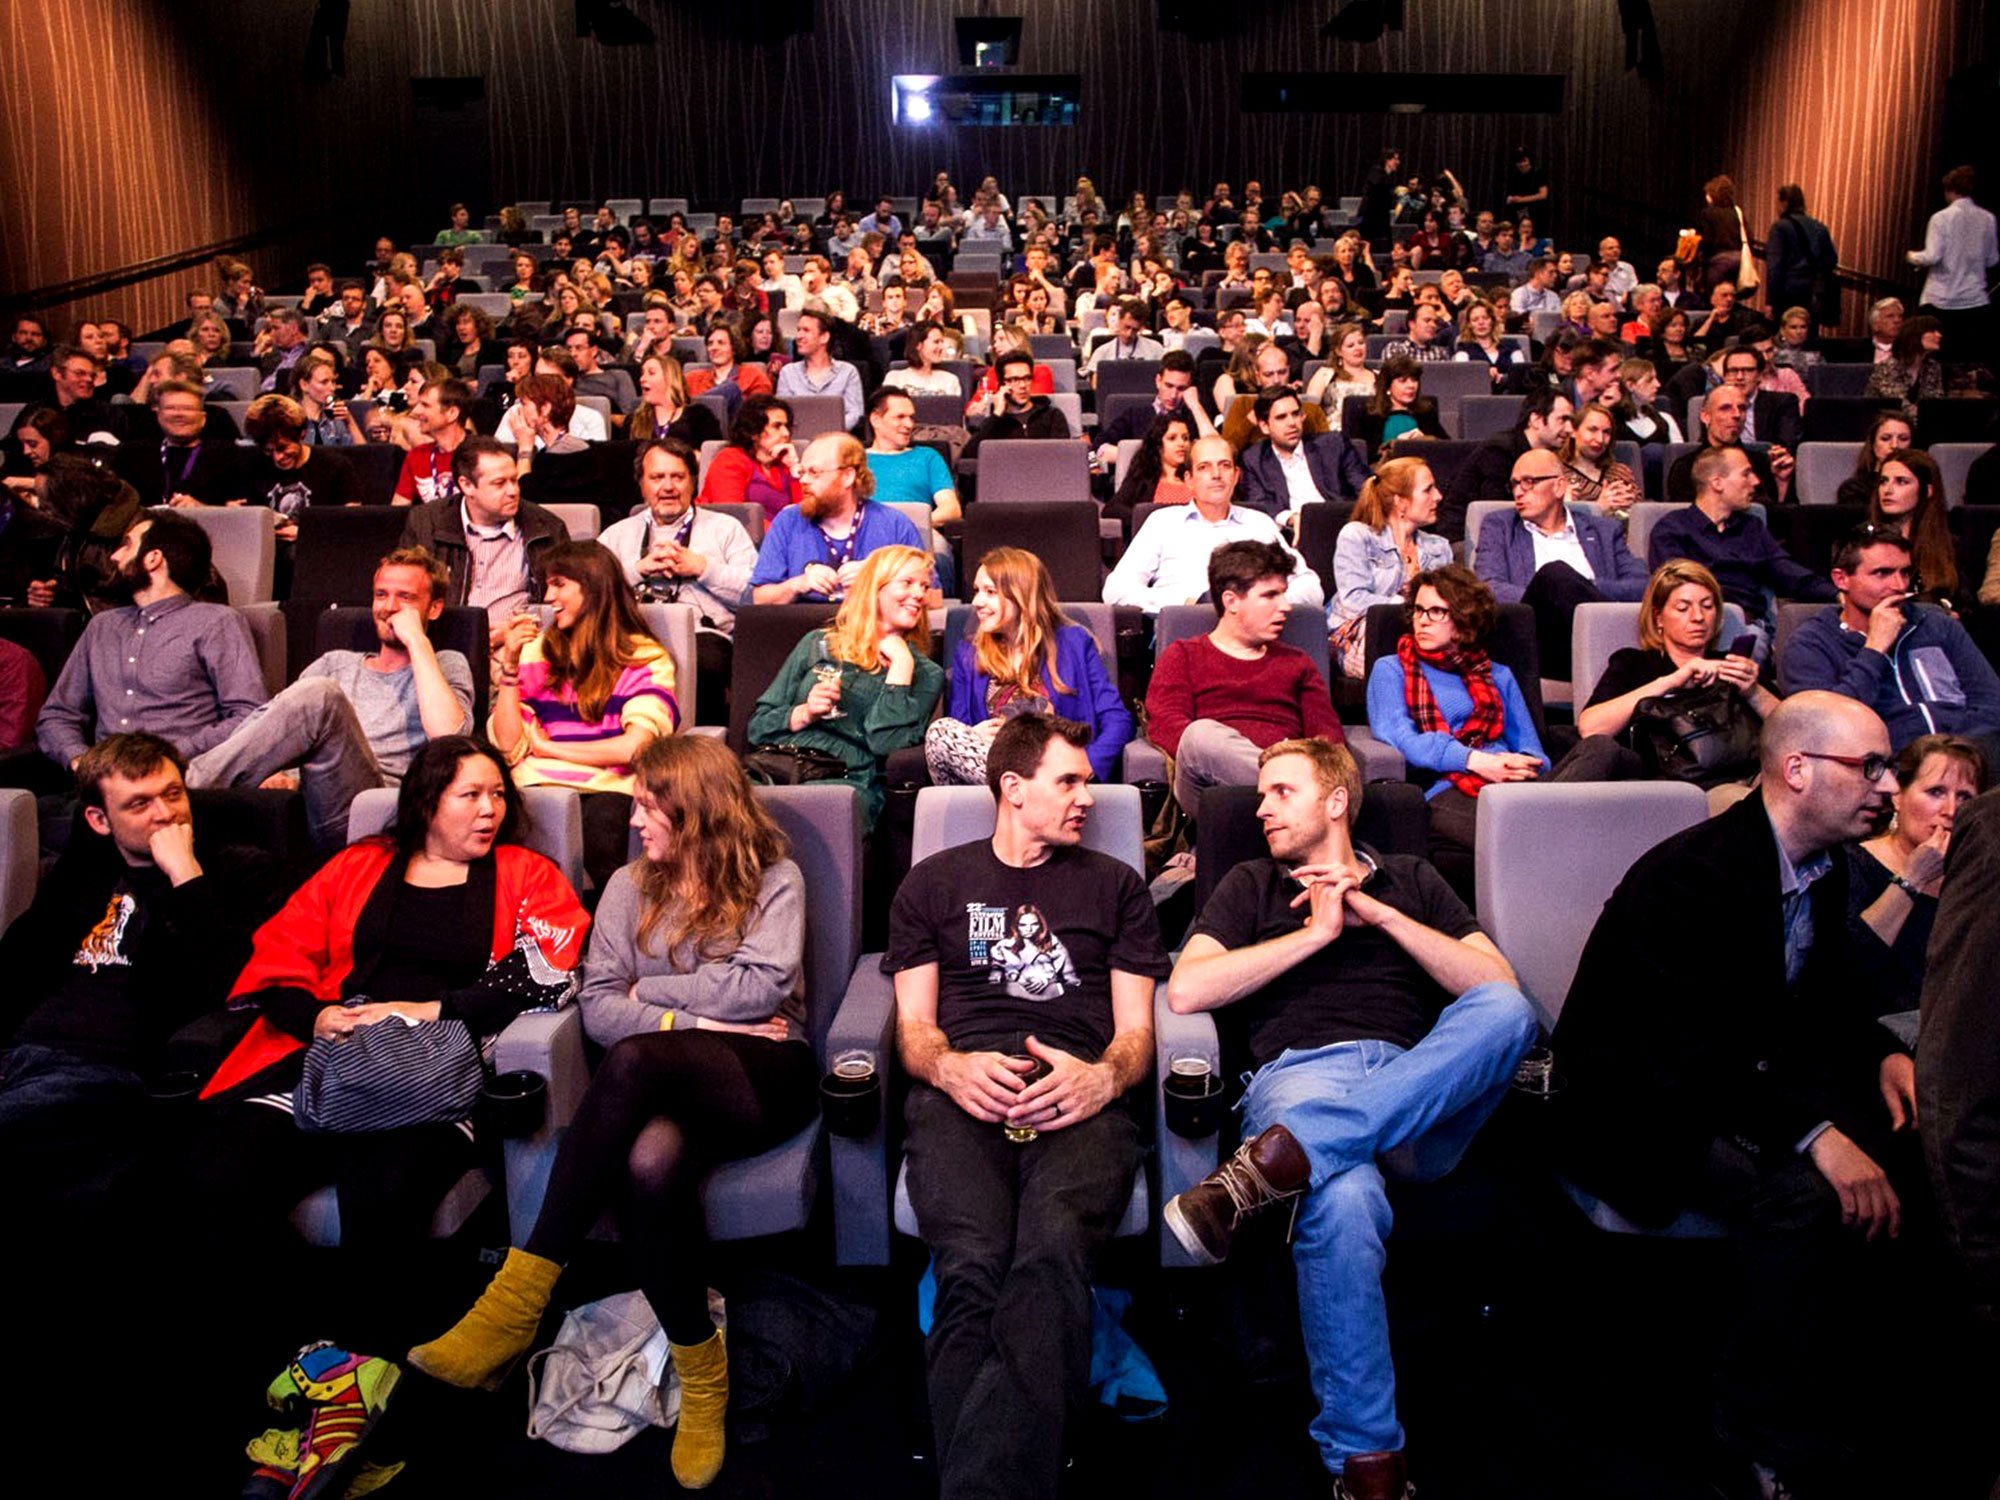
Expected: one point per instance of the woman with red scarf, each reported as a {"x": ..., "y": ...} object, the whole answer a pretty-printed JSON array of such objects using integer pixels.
[{"x": 1452, "y": 710}]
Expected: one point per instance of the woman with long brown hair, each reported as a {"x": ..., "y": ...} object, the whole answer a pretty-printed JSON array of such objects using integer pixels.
[
  {"x": 1909, "y": 500},
  {"x": 574, "y": 703},
  {"x": 1022, "y": 656},
  {"x": 694, "y": 984}
]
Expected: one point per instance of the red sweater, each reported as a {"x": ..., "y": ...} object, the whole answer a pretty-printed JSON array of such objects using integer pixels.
[
  {"x": 309, "y": 944},
  {"x": 1280, "y": 697}
]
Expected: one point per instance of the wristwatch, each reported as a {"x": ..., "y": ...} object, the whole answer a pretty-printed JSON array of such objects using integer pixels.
[{"x": 1906, "y": 886}]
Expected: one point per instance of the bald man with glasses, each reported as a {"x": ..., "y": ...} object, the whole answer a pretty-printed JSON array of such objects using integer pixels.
[
  {"x": 1552, "y": 555},
  {"x": 1721, "y": 1053}
]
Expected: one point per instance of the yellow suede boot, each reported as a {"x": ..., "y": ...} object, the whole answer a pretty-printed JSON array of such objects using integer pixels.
[
  {"x": 482, "y": 1347},
  {"x": 704, "y": 1372}
]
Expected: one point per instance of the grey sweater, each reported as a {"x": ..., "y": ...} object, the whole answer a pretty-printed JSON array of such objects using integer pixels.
[{"x": 761, "y": 979}]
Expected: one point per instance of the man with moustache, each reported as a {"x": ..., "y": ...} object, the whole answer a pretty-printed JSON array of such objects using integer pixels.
[
  {"x": 814, "y": 548},
  {"x": 678, "y": 552}
]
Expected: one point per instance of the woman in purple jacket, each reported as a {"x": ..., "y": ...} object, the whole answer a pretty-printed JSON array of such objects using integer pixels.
[{"x": 1022, "y": 658}]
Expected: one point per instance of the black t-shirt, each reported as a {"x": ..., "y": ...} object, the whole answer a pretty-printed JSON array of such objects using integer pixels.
[
  {"x": 325, "y": 478},
  {"x": 1362, "y": 985},
  {"x": 430, "y": 947},
  {"x": 1024, "y": 950},
  {"x": 98, "y": 1012},
  {"x": 1629, "y": 669}
]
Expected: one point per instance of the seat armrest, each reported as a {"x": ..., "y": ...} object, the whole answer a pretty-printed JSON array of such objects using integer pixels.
[
  {"x": 1183, "y": 1162},
  {"x": 1144, "y": 761},
  {"x": 548, "y": 1042},
  {"x": 712, "y": 731},
  {"x": 865, "y": 1021},
  {"x": 1378, "y": 759}
]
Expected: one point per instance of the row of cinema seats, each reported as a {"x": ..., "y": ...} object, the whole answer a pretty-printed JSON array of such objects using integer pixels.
[{"x": 1549, "y": 856}]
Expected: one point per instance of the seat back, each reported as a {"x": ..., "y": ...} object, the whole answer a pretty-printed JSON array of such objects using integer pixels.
[
  {"x": 822, "y": 823},
  {"x": 334, "y": 559},
  {"x": 1841, "y": 419},
  {"x": 1116, "y": 375},
  {"x": 376, "y": 468},
  {"x": 748, "y": 513},
  {"x": 244, "y": 540},
  {"x": 1955, "y": 461},
  {"x": 673, "y": 626},
  {"x": 1828, "y": 378},
  {"x": 764, "y": 636},
  {"x": 1482, "y": 417},
  {"x": 1645, "y": 516},
  {"x": 1064, "y": 533},
  {"x": 20, "y": 854},
  {"x": 1451, "y": 384},
  {"x": 461, "y": 628},
  {"x": 48, "y": 635},
  {"x": 554, "y": 814},
  {"x": 267, "y": 633},
  {"x": 1821, "y": 468},
  {"x": 948, "y": 816},
  {"x": 919, "y": 514},
  {"x": 1319, "y": 530},
  {"x": 1033, "y": 469},
  {"x": 1548, "y": 856},
  {"x": 815, "y": 416},
  {"x": 582, "y": 520}
]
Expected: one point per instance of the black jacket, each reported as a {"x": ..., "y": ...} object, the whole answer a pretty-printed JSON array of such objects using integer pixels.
[
  {"x": 438, "y": 528},
  {"x": 1668, "y": 1045},
  {"x": 1042, "y": 420},
  {"x": 1336, "y": 468},
  {"x": 213, "y": 473},
  {"x": 1483, "y": 476}
]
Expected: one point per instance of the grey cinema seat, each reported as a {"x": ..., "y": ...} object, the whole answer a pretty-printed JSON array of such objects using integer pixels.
[
  {"x": 774, "y": 1191},
  {"x": 1547, "y": 858}
]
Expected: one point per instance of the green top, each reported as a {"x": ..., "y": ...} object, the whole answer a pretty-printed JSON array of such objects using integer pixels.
[
  {"x": 458, "y": 237},
  {"x": 877, "y": 718}
]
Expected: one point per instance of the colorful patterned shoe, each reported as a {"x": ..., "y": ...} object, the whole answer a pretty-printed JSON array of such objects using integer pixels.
[
  {"x": 276, "y": 1454},
  {"x": 346, "y": 1394}
]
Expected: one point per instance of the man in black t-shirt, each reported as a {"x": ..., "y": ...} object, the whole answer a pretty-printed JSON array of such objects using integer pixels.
[
  {"x": 129, "y": 938},
  {"x": 1022, "y": 957},
  {"x": 1384, "y": 1028}
]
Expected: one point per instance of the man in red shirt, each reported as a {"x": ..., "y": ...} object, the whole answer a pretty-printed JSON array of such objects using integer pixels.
[
  {"x": 440, "y": 415},
  {"x": 1216, "y": 700}
]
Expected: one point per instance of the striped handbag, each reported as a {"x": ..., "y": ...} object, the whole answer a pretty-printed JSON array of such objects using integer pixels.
[{"x": 394, "y": 1073}]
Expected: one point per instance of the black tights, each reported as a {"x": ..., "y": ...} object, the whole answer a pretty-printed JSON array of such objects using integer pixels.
[
  {"x": 607, "y": 839},
  {"x": 660, "y": 1114}
]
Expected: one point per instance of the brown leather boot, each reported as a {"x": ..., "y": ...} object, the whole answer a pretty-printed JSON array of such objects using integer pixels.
[
  {"x": 1267, "y": 1170},
  {"x": 1373, "y": 1476}
]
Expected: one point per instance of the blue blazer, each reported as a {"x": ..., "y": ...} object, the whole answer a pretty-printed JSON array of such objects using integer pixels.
[
  {"x": 1505, "y": 560},
  {"x": 1092, "y": 697},
  {"x": 1336, "y": 468}
]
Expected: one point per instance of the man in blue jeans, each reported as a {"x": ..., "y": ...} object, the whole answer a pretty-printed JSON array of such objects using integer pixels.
[{"x": 1385, "y": 1028}]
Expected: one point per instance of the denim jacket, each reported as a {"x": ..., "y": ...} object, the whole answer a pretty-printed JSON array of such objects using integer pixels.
[{"x": 1368, "y": 570}]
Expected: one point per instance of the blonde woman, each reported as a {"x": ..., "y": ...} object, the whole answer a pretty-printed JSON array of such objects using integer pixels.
[
  {"x": 1347, "y": 374},
  {"x": 866, "y": 684}
]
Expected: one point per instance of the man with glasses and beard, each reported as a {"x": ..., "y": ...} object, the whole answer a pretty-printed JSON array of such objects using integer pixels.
[{"x": 1721, "y": 1053}]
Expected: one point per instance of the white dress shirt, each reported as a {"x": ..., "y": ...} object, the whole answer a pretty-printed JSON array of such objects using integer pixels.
[
  {"x": 1167, "y": 562},
  {"x": 1563, "y": 545}
]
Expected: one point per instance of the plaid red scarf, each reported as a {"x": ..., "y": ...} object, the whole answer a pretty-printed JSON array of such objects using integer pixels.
[{"x": 1482, "y": 727}]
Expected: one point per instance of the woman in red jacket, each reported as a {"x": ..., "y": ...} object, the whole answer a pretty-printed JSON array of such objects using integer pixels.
[{"x": 446, "y": 919}]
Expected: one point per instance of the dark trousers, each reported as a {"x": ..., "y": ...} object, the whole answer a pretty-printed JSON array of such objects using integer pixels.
[
  {"x": 1553, "y": 594},
  {"x": 664, "y": 1109},
  {"x": 607, "y": 839},
  {"x": 1815, "y": 1308},
  {"x": 252, "y": 1164},
  {"x": 68, "y": 1127},
  {"x": 712, "y": 654},
  {"x": 1014, "y": 1230}
]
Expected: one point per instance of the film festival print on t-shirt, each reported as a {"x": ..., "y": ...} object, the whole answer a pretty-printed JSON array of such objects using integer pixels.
[{"x": 1020, "y": 951}]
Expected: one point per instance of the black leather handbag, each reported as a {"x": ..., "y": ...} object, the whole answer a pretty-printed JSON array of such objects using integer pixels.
[{"x": 1705, "y": 735}]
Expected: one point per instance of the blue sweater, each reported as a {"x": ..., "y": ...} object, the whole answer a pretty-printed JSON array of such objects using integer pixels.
[
  {"x": 1389, "y": 718},
  {"x": 1933, "y": 681},
  {"x": 1092, "y": 697}
]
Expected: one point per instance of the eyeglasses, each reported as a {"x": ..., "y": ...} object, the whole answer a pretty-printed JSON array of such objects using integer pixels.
[
  {"x": 823, "y": 473},
  {"x": 1871, "y": 767},
  {"x": 1529, "y": 481},
  {"x": 1430, "y": 614}
]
